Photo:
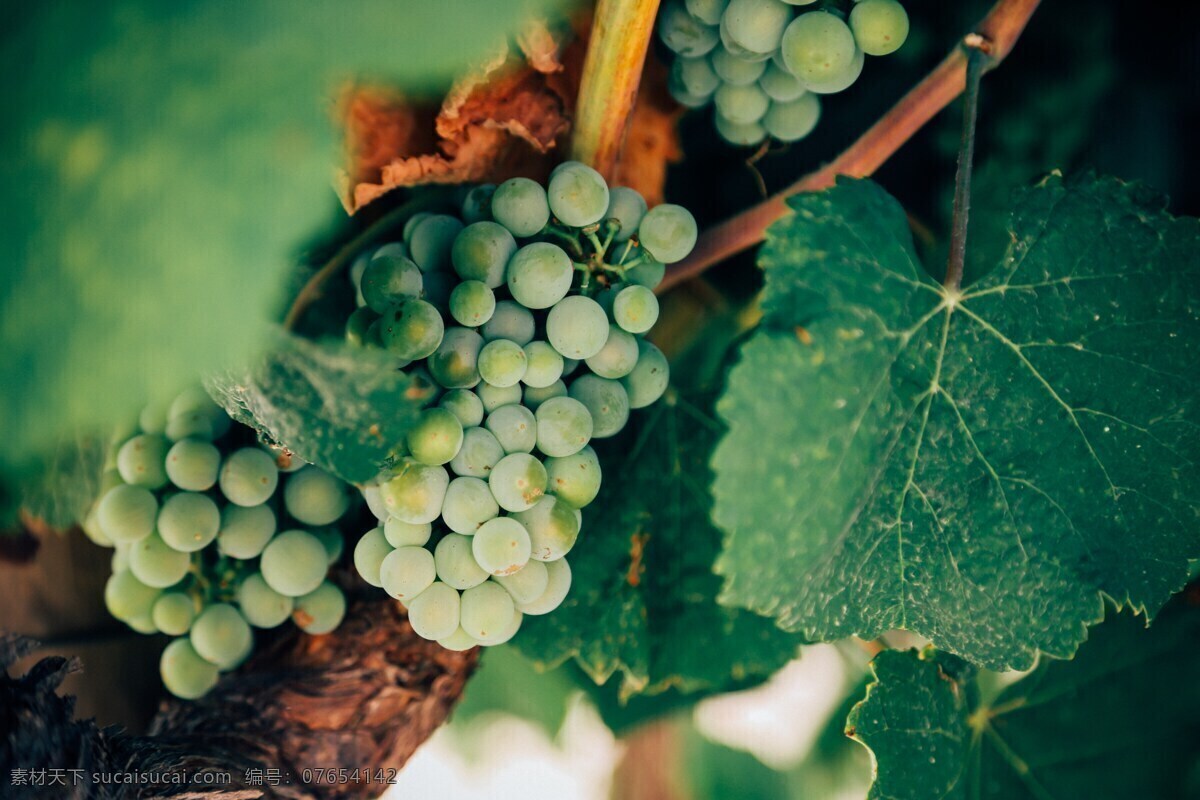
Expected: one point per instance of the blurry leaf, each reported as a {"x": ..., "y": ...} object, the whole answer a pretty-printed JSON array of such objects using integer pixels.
[
  {"x": 716, "y": 772},
  {"x": 957, "y": 465},
  {"x": 67, "y": 482},
  {"x": 340, "y": 407},
  {"x": 506, "y": 682}
]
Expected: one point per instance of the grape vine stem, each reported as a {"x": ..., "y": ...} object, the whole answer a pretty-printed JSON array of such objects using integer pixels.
[{"x": 998, "y": 32}]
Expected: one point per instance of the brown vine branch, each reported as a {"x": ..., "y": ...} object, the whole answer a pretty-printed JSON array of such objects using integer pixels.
[{"x": 1000, "y": 29}]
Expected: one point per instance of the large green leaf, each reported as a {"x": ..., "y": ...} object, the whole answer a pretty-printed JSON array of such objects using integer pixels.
[
  {"x": 643, "y": 595},
  {"x": 978, "y": 467},
  {"x": 1119, "y": 721}
]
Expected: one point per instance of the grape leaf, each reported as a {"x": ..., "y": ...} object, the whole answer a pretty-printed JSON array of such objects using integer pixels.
[
  {"x": 342, "y": 408},
  {"x": 978, "y": 467},
  {"x": 643, "y": 595},
  {"x": 66, "y": 482},
  {"x": 1117, "y": 721}
]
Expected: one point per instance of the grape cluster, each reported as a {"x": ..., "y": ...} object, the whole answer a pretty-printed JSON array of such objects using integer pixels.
[
  {"x": 527, "y": 311},
  {"x": 762, "y": 63},
  {"x": 209, "y": 540}
]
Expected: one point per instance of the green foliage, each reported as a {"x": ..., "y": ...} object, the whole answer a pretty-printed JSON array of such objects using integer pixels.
[
  {"x": 65, "y": 482},
  {"x": 1117, "y": 721},
  {"x": 978, "y": 467}
]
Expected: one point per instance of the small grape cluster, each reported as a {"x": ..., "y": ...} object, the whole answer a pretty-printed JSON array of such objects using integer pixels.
[
  {"x": 195, "y": 521},
  {"x": 762, "y": 65},
  {"x": 527, "y": 311}
]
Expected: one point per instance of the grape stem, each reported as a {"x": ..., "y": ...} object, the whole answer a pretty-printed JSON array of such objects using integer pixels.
[
  {"x": 977, "y": 62},
  {"x": 998, "y": 33}
]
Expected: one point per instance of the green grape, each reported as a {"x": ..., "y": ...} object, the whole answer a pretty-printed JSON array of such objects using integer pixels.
[
  {"x": 434, "y": 613},
  {"x": 458, "y": 641},
  {"x": 472, "y": 303},
  {"x": 487, "y": 610},
  {"x": 757, "y": 25},
  {"x": 438, "y": 286},
  {"x": 333, "y": 542},
  {"x": 683, "y": 33},
  {"x": 477, "y": 203},
  {"x": 481, "y": 253},
  {"x": 514, "y": 427},
  {"x": 153, "y": 418},
  {"x": 126, "y": 597},
  {"x": 294, "y": 563},
  {"x": 790, "y": 122},
  {"x": 511, "y": 321},
  {"x": 526, "y": 584},
  {"x": 436, "y": 437},
  {"x": 245, "y": 531},
  {"x": 507, "y": 632},
  {"x": 155, "y": 563},
  {"x": 404, "y": 534},
  {"x": 173, "y": 613},
  {"x": 192, "y": 425},
  {"x": 189, "y": 521},
  {"x": 502, "y": 363},
  {"x": 780, "y": 85},
  {"x": 248, "y": 477},
  {"x": 539, "y": 275},
  {"x": 140, "y": 461},
  {"x": 691, "y": 78},
  {"x": 741, "y": 104},
  {"x": 465, "y": 405},
  {"x": 126, "y": 513},
  {"x": 468, "y": 504},
  {"x": 314, "y": 497},
  {"x": 412, "y": 223},
  {"x": 734, "y": 71},
  {"x": 455, "y": 363},
  {"x": 649, "y": 378},
  {"x": 357, "y": 267},
  {"x": 221, "y": 635},
  {"x": 738, "y": 133},
  {"x": 494, "y": 397},
  {"x": 802, "y": 2},
  {"x": 817, "y": 46},
  {"x": 185, "y": 674},
  {"x": 192, "y": 465},
  {"x": 570, "y": 365},
  {"x": 375, "y": 501},
  {"x": 416, "y": 493},
  {"x": 501, "y": 546},
  {"x": 91, "y": 528},
  {"x": 733, "y": 46},
  {"x": 840, "y": 81},
  {"x": 455, "y": 563},
  {"x": 607, "y": 402},
  {"x": 517, "y": 481},
  {"x": 372, "y": 548},
  {"x": 535, "y": 396},
  {"x": 627, "y": 206},
  {"x": 412, "y": 329},
  {"x": 321, "y": 610},
  {"x": 578, "y": 195},
  {"x": 648, "y": 273},
  {"x": 564, "y": 426},
  {"x": 682, "y": 96},
  {"x": 553, "y": 528},
  {"x": 120, "y": 557},
  {"x": 557, "y": 585},
  {"x": 480, "y": 452},
  {"x": 388, "y": 280},
  {"x": 545, "y": 365},
  {"x": 262, "y": 606},
  {"x": 432, "y": 240},
  {"x": 707, "y": 11},
  {"x": 574, "y": 479},
  {"x": 521, "y": 206},
  {"x": 635, "y": 309},
  {"x": 195, "y": 400},
  {"x": 880, "y": 26},
  {"x": 577, "y": 327},
  {"x": 406, "y": 572}
]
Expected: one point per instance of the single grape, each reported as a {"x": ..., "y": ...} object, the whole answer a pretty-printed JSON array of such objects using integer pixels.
[
  {"x": 487, "y": 610},
  {"x": 730, "y": 43},
  {"x": 126, "y": 597},
  {"x": 578, "y": 195},
  {"x": 477, "y": 203},
  {"x": 790, "y": 122},
  {"x": 526, "y": 584},
  {"x": 618, "y": 356},
  {"x": 472, "y": 303},
  {"x": 91, "y": 528},
  {"x": 369, "y": 554},
  {"x": 738, "y": 133},
  {"x": 635, "y": 309},
  {"x": 155, "y": 563},
  {"x": 494, "y": 397},
  {"x": 564, "y": 426},
  {"x": 681, "y": 95},
  {"x": 468, "y": 504},
  {"x": 480, "y": 452},
  {"x": 173, "y": 613},
  {"x": 412, "y": 223},
  {"x": 607, "y": 402},
  {"x": 458, "y": 641},
  {"x": 780, "y": 85},
  {"x": 192, "y": 425},
  {"x": 506, "y": 632},
  {"x": 455, "y": 363},
  {"x": 880, "y": 26},
  {"x": 189, "y": 521},
  {"x": 648, "y": 273},
  {"x": 840, "y": 81},
  {"x": 412, "y": 329},
  {"x": 432, "y": 240},
  {"x": 126, "y": 513},
  {"x": 511, "y": 321},
  {"x": 757, "y": 25},
  {"x": 545, "y": 365},
  {"x": 358, "y": 327},
  {"x": 683, "y": 33},
  {"x": 262, "y": 606},
  {"x": 740, "y": 104},
  {"x": 195, "y": 401},
  {"x": 388, "y": 280},
  {"x": 817, "y": 46},
  {"x": 331, "y": 539},
  {"x": 502, "y": 363},
  {"x": 553, "y": 527},
  {"x": 514, "y": 427},
  {"x": 120, "y": 557},
  {"x": 627, "y": 206},
  {"x": 321, "y": 610},
  {"x": 192, "y": 465},
  {"x": 574, "y": 479},
  {"x": 481, "y": 253},
  {"x": 245, "y": 531},
  {"x": 733, "y": 70},
  {"x": 539, "y": 275},
  {"x": 294, "y": 563},
  {"x": 248, "y": 477},
  {"x": 417, "y": 491},
  {"x": 577, "y": 327},
  {"x": 436, "y": 437},
  {"x": 649, "y": 378},
  {"x": 375, "y": 501},
  {"x": 314, "y": 497},
  {"x": 534, "y": 396},
  {"x": 404, "y": 534},
  {"x": 707, "y": 11},
  {"x": 406, "y": 572},
  {"x": 696, "y": 78},
  {"x": 221, "y": 635},
  {"x": 140, "y": 461},
  {"x": 185, "y": 674},
  {"x": 434, "y": 613},
  {"x": 501, "y": 546},
  {"x": 455, "y": 563},
  {"x": 521, "y": 206},
  {"x": 557, "y": 586},
  {"x": 465, "y": 405},
  {"x": 517, "y": 481},
  {"x": 153, "y": 418}
]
